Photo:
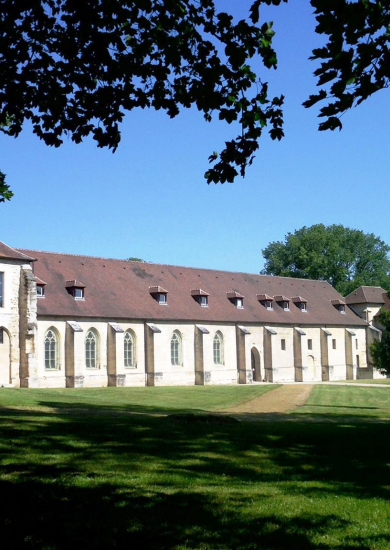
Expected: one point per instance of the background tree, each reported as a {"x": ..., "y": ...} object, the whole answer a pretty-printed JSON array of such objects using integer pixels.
[
  {"x": 345, "y": 257},
  {"x": 380, "y": 349}
]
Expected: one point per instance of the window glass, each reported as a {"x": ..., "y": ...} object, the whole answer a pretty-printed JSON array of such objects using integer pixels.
[
  {"x": 1, "y": 288},
  {"x": 334, "y": 343},
  {"x": 310, "y": 344},
  {"x": 91, "y": 350},
  {"x": 40, "y": 291},
  {"x": 129, "y": 350},
  {"x": 218, "y": 349},
  {"x": 283, "y": 344},
  {"x": 78, "y": 293},
  {"x": 176, "y": 349},
  {"x": 203, "y": 300},
  {"x": 162, "y": 298},
  {"x": 51, "y": 350}
]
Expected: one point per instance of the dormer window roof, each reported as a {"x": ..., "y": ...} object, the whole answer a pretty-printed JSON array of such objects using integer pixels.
[
  {"x": 283, "y": 301},
  {"x": 339, "y": 304},
  {"x": 75, "y": 289},
  {"x": 159, "y": 294},
  {"x": 265, "y": 300},
  {"x": 300, "y": 302},
  {"x": 200, "y": 296},
  {"x": 236, "y": 298}
]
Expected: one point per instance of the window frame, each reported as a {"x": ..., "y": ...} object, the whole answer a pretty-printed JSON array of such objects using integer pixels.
[
  {"x": 1, "y": 288},
  {"x": 81, "y": 291},
  {"x": 240, "y": 303},
  {"x": 218, "y": 349},
  {"x": 87, "y": 352},
  {"x": 132, "y": 364},
  {"x": 203, "y": 301},
  {"x": 40, "y": 291},
  {"x": 162, "y": 298},
  {"x": 51, "y": 350},
  {"x": 176, "y": 346}
]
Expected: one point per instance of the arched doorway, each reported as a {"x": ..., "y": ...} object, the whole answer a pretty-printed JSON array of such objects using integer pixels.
[
  {"x": 5, "y": 357},
  {"x": 255, "y": 363}
]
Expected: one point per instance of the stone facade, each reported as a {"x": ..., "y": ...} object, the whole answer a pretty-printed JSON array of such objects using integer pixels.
[{"x": 44, "y": 348}]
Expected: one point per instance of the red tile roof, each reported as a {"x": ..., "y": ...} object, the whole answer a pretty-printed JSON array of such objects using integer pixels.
[
  {"x": 120, "y": 289},
  {"x": 12, "y": 254},
  {"x": 366, "y": 294}
]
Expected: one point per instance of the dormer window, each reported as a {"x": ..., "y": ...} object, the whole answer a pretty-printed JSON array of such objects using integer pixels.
[
  {"x": 339, "y": 305},
  {"x": 283, "y": 301},
  {"x": 300, "y": 302},
  {"x": 76, "y": 289},
  {"x": 265, "y": 300},
  {"x": 40, "y": 291},
  {"x": 201, "y": 297},
  {"x": 236, "y": 298},
  {"x": 40, "y": 287},
  {"x": 159, "y": 294},
  {"x": 78, "y": 294}
]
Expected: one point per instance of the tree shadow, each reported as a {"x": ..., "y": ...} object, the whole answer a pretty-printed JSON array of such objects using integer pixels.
[{"x": 141, "y": 481}]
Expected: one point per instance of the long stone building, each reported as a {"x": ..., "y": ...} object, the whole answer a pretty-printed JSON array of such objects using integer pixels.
[{"x": 80, "y": 321}]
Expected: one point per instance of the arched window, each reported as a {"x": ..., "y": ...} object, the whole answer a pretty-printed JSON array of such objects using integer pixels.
[
  {"x": 176, "y": 353},
  {"x": 92, "y": 350},
  {"x": 218, "y": 348},
  {"x": 51, "y": 350},
  {"x": 129, "y": 349}
]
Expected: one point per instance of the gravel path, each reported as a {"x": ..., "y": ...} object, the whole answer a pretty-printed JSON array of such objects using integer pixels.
[{"x": 284, "y": 399}]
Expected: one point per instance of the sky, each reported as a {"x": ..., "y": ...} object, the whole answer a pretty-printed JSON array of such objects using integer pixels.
[{"x": 150, "y": 199}]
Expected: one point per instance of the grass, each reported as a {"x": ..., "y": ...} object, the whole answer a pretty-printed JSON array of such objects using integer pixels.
[
  {"x": 145, "y": 399},
  {"x": 368, "y": 381},
  {"x": 76, "y": 467},
  {"x": 348, "y": 401}
]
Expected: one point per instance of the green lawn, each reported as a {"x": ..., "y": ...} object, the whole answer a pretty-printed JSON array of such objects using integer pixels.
[
  {"x": 368, "y": 381},
  {"x": 76, "y": 467}
]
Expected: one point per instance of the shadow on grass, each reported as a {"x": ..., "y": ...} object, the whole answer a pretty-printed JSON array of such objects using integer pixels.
[
  {"x": 145, "y": 482},
  {"x": 58, "y": 517}
]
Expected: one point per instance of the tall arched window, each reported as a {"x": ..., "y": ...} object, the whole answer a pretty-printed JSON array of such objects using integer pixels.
[
  {"x": 51, "y": 350},
  {"x": 176, "y": 351},
  {"x": 92, "y": 350},
  {"x": 218, "y": 348},
  {"x": 129, "y": 349}
]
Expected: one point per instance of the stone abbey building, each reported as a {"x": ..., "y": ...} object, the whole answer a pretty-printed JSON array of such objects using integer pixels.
[{"x": 80, "y": 321}]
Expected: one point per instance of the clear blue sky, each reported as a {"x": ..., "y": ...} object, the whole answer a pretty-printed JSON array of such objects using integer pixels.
[{"x": 150, "y": 199}]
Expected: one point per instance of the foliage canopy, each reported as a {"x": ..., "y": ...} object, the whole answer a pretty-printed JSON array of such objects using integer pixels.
[
  {"x": 380, "y": 349},
  {"x": 347, "y": 258},
  {"x": 75, "y": 68}
]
